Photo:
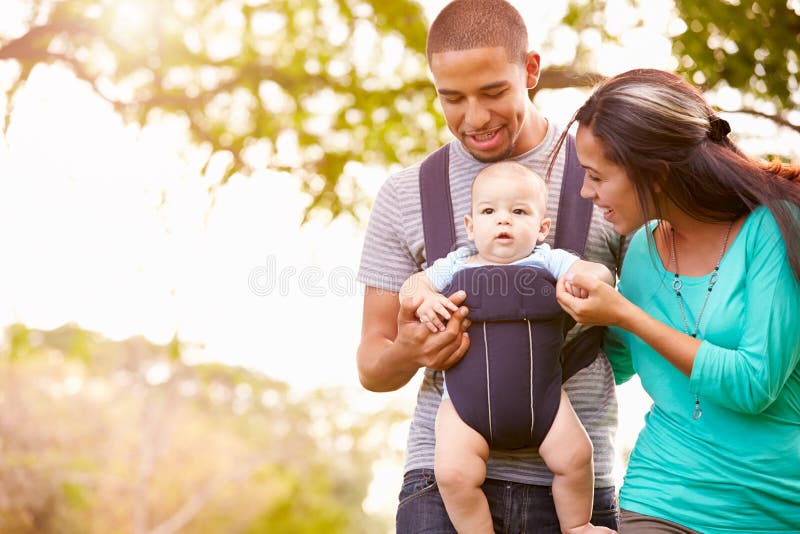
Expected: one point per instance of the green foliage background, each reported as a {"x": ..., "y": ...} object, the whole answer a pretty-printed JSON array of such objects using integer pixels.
[
  {"x": 104, "y": 436},
  {"x": 345, "y": 81}
]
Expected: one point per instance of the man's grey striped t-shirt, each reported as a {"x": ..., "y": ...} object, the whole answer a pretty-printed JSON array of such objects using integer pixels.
[{"x": 394, "y": 250}]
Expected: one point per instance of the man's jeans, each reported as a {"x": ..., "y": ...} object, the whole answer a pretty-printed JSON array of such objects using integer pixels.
[{"x": 516, "y": 508}]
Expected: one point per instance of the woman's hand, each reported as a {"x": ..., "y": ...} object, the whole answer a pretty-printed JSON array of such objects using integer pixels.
[{"x": 598, "y": 303}]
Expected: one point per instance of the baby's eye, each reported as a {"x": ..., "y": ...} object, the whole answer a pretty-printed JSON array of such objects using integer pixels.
[
  {"x": 520, "y": 211},
  {"x": 487, "y": 211}
]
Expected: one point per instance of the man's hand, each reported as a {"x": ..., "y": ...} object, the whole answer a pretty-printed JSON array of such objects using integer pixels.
[
  {"x": 434, "y": 308},
  {"x": 436, "y": 348},
  {"x": 394, "y": 344}
]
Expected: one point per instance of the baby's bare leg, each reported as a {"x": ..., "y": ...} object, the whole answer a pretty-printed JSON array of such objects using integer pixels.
[
  {"x": 460, "y": 467},
  {"x": 567, "y": 452}
]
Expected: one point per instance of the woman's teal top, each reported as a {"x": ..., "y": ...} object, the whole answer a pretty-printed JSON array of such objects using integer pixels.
[{"x": 737, "y": 467}]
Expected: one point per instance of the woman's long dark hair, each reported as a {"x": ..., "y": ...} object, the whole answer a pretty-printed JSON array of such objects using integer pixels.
[{"x": 661, "y": 130}]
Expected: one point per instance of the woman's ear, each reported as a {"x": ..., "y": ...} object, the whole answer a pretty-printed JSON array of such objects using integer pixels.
[{"x": 661, "y": 176}]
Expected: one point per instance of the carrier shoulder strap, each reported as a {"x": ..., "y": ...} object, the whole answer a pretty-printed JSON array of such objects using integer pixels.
[
  {"x": 572, "y": 230},
  {"x": 437, "y": 206}
]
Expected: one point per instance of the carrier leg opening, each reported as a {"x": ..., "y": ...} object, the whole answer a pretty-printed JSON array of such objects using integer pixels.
[{"x": 460, "y": 467}]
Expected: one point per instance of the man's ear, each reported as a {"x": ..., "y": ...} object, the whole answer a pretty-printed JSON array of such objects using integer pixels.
[
  {"x": 531, "y": 69},
  {"x": 544, "y": 228},
  {"x": 468, "y": 226}
]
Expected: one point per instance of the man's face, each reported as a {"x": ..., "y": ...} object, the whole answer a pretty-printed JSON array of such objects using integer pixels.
[{"x": 485, "y": 100}]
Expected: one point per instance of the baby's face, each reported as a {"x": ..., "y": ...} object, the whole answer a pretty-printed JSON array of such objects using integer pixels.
[{"x": 508, "y": 215}]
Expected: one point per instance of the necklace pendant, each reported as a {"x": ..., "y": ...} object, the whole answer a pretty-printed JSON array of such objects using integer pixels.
[
  {"x": 677, "y": 284},
  {"x": 698, "y": 413}
]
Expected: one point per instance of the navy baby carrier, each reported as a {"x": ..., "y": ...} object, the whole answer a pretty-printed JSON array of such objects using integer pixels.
[{"x": 508, "y": 385}]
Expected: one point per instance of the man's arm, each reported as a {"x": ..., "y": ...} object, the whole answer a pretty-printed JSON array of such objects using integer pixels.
[{"x": 394, "y": 344}]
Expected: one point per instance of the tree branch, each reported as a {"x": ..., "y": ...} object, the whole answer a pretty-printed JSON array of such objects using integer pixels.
[
  {"x": 777, "y": 119},
  {"x": 563, "y": 77},
  {"x": 195, "y": 504},
  {"x": 33, "y": 44}
]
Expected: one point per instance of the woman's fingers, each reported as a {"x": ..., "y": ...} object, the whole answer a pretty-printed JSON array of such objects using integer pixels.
[{"x": 563, "y": 296}]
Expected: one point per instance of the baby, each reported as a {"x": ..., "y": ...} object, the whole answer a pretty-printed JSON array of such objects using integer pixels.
[{"x": 508, "y": 226}]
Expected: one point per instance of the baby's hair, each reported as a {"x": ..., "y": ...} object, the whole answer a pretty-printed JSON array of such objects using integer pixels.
[{"x": 509, "y": 167}]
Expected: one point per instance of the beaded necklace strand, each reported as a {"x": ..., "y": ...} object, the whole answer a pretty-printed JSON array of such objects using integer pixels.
[{"x": 677, "y": 284}]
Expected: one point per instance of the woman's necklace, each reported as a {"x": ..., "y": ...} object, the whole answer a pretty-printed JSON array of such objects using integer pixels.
[{"x": 677, "y": 284}]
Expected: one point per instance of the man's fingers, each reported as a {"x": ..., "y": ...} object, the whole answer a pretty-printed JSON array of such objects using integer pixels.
[
  {"x": 408, "y": 308},
  {"x": 458, "y": 298},
  {"x": 456, "y": 351},
  {"x": 454, "y": 340}
]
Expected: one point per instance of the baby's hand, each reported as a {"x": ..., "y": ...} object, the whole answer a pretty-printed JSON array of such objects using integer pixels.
[
  {"x": 433, "y": 309},
  {"x": 575, "y": 291}
]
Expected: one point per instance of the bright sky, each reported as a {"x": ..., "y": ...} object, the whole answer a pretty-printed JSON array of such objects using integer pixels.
[{"x": 86, "y": 238}]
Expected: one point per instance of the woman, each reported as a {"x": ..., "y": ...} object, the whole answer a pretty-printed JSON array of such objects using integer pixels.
[{"x": 707, "y": 311}]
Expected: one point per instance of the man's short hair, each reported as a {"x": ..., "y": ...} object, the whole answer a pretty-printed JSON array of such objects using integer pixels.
[{"x": 468, "y": 24}]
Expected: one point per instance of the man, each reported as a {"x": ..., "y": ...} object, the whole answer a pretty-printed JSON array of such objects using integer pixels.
[{"x": 482, "y": 69}]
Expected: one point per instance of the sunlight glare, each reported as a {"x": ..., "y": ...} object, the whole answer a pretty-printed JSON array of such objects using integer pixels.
[
  {"x": 383, "y": 490},
  {"x": 15, "y": 12},
  {"x": 222, "y": 31},
  {"x": 132, "y": 17}
]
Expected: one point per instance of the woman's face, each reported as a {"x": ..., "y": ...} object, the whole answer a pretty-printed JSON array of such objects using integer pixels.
[{"x": 607, "y": 185}]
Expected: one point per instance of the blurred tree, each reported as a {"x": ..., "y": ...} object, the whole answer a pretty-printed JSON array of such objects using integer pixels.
[
  {"x": 315, "y": 87},
  {"x": 122, "y": 437},
  {"x": 305, "y": 86},
  {"x": 751, "y": 46}
]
